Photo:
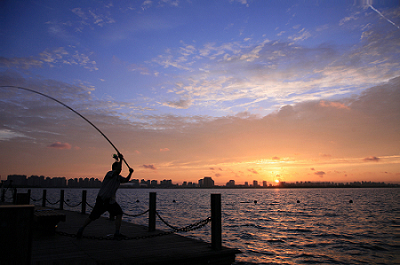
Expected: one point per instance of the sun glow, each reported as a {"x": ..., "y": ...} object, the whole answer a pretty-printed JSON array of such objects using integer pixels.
[{"x": 277, "y": 181}]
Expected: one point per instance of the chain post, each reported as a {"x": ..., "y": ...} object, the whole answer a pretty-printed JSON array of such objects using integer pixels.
[
  {"x": 62, "y": 200},
  {"x": 44, "y": 198},
  {"x": 216, "y": 228},
  {"x": 84, "y": 201},
  {"x": 29, "y": 196},
  {"x": 152, "y": 211},
  {"x": 15, "y": 196}
]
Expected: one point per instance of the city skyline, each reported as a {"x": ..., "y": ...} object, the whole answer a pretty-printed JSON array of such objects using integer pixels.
[
  {"x": 35, "y": 181},
  {"x": 233, "y": 90}
]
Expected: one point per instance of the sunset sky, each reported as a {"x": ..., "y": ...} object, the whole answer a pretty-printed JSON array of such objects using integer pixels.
[{"x": 232, "y": 89}]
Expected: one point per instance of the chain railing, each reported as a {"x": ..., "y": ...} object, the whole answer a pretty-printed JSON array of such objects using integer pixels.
[
  {"x": 215, "y": 218},
  {"x": 187, "y": 228}
]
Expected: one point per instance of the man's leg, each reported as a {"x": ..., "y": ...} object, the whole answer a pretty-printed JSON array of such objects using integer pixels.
[
  {"x": 80, "y": 231},
  {"x": 118, "y": 222},
  {"x": 98, "y": 210}
]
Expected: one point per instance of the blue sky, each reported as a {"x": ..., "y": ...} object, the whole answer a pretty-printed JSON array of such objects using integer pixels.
[{"x": 160, "y": 65}]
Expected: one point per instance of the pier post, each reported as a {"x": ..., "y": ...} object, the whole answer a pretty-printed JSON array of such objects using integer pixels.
[
  {"x": 62, "y": 200},
  {"x": 216, "y": 228},
  {"x": 152, "y": 211},
  {"x": 29, "y": 196},
  {"x": 84, "y": 201},
  {"x": 44, "y": 198},
  {"x": 3, "y": 192},
  {"x": 15, "y": 196}
]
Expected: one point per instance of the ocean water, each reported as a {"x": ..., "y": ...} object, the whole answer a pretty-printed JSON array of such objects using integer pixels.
[{"x": 284, "y": 226}]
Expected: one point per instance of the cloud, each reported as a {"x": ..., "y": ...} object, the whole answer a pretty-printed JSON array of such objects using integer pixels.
[
  {"x": 238, "y": 75},
  {"x": 23, "y": 63},
  {"x": 276, "y": 158},
  {"x": 59, "y": 145},
  {"x": 320, "y": 173},
  {"x": 52, "y": 57},
  {"x": 252, "y": 170},
  {"x": 88, "y": 17},
  {"x": 180, "y": 104},
  {"x": 299, "y": 131},
  {"x": 164, "y": 149},
  {"x": 338, "y": 105},
  {"x": 371, "y": 159},
  {"x": 152, "y": 167},
  {"x": 6, "y": 134}
]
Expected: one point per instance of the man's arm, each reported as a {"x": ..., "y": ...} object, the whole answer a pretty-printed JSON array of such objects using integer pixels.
[{"x": 125, "y": 180}]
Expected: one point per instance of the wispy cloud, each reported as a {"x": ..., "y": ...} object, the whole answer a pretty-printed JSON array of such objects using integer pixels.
[
  {"x": 52, "y": 58},
  {"x": 371, "y": 159},
  {"x": 6, "y": 134},
  {"x": 152, "y": 167},
  {"x": 59, "y": 145}
]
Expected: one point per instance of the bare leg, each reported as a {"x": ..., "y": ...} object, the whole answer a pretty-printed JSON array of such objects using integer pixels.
[
  {"x": 118, "y": 222},
  {"x": 87, "y": 221},
  {"x": 80, "y": 231}
]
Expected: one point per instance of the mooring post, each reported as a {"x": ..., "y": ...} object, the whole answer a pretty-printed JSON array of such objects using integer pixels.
[
  {"x": 83, "y": 202},
  {"x": 29, "y": 196},
  {"x": 44, "y": 198},
  {"x": 3, "y": 192},
  {"x": 216, "y": 228},
  {"x": 15, "y": 196},
  {"x": 152, "y": 211},
  {"x": 62, "y": 200}
]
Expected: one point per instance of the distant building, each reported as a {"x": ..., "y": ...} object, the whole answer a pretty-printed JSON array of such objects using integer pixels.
[
  {"x": 230, "y": 183},
  {"x": 206, "y": 182},
  {"x": 255, "y": 183},
  {"x": 264, "y": 183}
]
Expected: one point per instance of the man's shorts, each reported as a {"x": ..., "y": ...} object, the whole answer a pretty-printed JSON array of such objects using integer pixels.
[{"x": 102, "y": 206}]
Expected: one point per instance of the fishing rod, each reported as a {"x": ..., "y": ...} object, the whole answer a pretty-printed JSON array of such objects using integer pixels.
[{"x": 77, "y": 113}]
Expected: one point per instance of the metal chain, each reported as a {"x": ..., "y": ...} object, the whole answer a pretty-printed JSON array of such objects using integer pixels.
[
  {"x": 72, "y": 205},
  {"x": 37, "y": 199},
  {"x": 52, "y": 203},
  {"x": 137, "y": 215},
  {"x": 170, "y": 226},
  {"x": 188, "y": 228}
]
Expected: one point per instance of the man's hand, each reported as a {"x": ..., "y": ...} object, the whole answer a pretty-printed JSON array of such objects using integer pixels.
[{"x": 120, "y": 156}]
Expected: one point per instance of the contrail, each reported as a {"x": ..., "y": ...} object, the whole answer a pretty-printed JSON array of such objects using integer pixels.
[{"x": 388, "y": 20}]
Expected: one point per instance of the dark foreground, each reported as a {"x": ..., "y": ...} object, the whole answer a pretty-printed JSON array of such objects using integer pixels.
[{"x": 95, "y": 248}]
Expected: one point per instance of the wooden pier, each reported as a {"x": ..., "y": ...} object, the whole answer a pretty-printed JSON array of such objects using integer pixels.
[
  {"x": 145, "y": 245},
  {"x": 167, "y": 249}
]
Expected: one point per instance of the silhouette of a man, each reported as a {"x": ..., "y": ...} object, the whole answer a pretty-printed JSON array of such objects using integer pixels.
[{"x": 105, "y": 200}]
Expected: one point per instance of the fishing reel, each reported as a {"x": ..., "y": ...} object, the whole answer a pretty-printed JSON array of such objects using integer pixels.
[{"x": 115, "y": 156}]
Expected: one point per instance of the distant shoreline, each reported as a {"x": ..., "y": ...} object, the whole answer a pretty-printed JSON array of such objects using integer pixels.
[{"x": 222, "y": 187}]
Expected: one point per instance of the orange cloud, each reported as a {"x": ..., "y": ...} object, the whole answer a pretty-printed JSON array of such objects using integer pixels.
[
  {"x": 164, "y": 149},
  {"x": 371, "y": 159},
  {"x": 337, "y": 105},
  {"x": 59, "y": 145},
  {"x": 152, "y": 167}
]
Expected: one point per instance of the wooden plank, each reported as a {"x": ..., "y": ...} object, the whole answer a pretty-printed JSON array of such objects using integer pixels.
[{"x": 171, "y": 249}]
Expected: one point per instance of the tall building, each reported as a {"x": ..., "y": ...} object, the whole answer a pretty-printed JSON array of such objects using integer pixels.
[
  {"x": 230, "y": 183},
  {"x": 206, "y": 182}
]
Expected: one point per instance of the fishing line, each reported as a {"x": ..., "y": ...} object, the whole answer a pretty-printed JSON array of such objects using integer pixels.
[{"x": 77, "y": 113}]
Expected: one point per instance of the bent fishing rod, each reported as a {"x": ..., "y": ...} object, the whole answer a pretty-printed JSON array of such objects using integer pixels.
[{"x": 77, "y": 113}]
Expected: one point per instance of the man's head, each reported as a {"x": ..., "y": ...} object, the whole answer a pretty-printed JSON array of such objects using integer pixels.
[{"x": 116, "y": 166}]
